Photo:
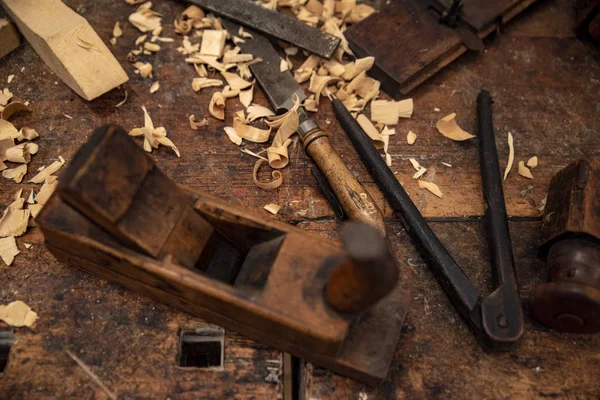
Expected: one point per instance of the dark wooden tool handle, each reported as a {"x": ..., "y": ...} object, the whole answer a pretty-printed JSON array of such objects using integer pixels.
[{"x": 355, "y": 200}]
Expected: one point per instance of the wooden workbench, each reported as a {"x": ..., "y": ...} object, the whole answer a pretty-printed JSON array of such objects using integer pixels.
[{"x": 546, "y": 87}]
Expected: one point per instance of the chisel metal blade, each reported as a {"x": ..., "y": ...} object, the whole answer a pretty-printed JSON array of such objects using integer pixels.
[
  {"x": 274, "y": 24},
  {"x": 280, "y": 88}
]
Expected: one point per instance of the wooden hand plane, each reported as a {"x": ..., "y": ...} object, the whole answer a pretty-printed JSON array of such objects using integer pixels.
[{"x": 117, "y": 216}]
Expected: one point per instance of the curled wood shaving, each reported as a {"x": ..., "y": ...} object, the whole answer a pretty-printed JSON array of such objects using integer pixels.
[
  {"x": 448, "y": 127},
  {"x": 19, "y": 154},
  {"x": 370, "y": 130},
  {"x": 145, "y": 19},
  {"x": 305, "y": 71},
  {"x": 532, "y": 162},
  {"x": 18, "y": 314},
  {"x": 13, "y": 108},
  {"x": 117, "y": 31},
  {"x": 419, "y": 173},
  {"x": 249, "y": 132},
  {"x": 16, "y": 174},
  {"x": 153, "y": 137},
  {"x": 272, "y": 208},
  {"x": 232, "y": 135},
  {"x": 8, "y": 252},
  {"x": 195, "y": 124},
  {"x": 358, "y": 66},
  {"x": 27, "y": 134},
  {"x": 255, "y": 112},
  {"x": 524, "y": 171},
  {"x": 119, "y": 104},
  {"x": 14, "y": 220},
  {"x": 144, "y": 69},
  {"x": 155, "y": 86},
  {"x": 152, "y": 47},
  {"x": 415, "y": 164},
  {"x": 310, "y": 104},
  {"x": 201, "y": 83},
  {"x": 235, "y": 81},
  {"x": 7, "y": 130},
  {"x": 193, "y": 13},
  {"x": 5, "y": 97},
  {"x": 246, "y": 96},
  {"x": 46, "y": 172},
  {"x": 432, "y": 187},
  {"x": 274, "y": 184},
  {"x": 216, "y": 108},
  {"x": 411, "y": 138},
  {"x": 511, "y": 155},
  {"x": 318, "y": 83}
]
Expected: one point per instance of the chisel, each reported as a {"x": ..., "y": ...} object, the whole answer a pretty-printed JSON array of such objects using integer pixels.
[{"x": 282, "y": 91}]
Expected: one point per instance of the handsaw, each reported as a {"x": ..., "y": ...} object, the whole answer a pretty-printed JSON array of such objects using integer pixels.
[{"x": 282, "y": 90}]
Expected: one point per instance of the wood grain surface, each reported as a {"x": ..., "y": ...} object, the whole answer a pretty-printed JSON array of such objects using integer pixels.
[{"x": 546, "y": 87}]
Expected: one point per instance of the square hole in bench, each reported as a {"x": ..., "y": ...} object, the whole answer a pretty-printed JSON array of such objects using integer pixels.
[{"x": 201, "y": 349}]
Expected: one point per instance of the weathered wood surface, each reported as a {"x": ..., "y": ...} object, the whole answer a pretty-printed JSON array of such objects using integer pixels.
[{"x": 545, "y": 85}]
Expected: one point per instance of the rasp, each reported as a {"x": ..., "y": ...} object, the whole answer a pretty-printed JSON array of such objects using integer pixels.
[
  {"x": 274, "y": 24},
  {"x": 281, "y": 90}
]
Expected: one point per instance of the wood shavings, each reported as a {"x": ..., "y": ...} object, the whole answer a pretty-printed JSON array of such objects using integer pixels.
[
  {"x": 117, "y": 31},
  {"x": 411, "y": 137},
  {"x": 447, "y": 164},
  {"x": 201, "y": 83},
  {"x": 193, "y": 13},
  {"x": 448, "y": 127},
  {"x": 384, "y": 111},
  {"x": 35, "y": 209},
  {"x": 255, "y": 112},
  {"x": 18, "y": 314},
  {"x": 145, "y": 19},
  {"x": 511, "y": 155},
  {"x": 524, "y": 171},
  {"x": 359, "y": 12},
  {"x": 31, "y": 198},
  {"x": 213, "y": 42},
  {"x": 253, "y": 154},
  {"x": 419, "y": 173},
  {"x": 93, "y": 376},
  {"x": 310, "y": 104},
  {"x": 370, "y": 130},
  {"x": 432, "y": 187},
  {"x": 153, "y": 137},
  {"x": 235, "y": 81},
  {"x": 249, "y": 132},
  {"x": 119, "y": 104},
  {"x": 232, "y": 135},
  {"x": 246, "y": 96},
  {"x": 144, "y": 69},
  {"x": 19, "y": 154},
  {"x": 319, "y": 83},
  {"x": 155, "y": 86},
  {"x": 44, "y": 194},
  {"x": 7, "y": 130},
  {"x": 283, "y": 66},
  {"x": 12, "y": 108},
  {"x": 305, "y": 71},
  {"x": 216, "y": 108},
  {"x": 152, "y": 47},
  {"x": 244, "y": 34},
  {"x": 16, "y": 174},
  {"x": 46, "y": 172},
  {"x": 195, "y": 124},
  {"x": 27, "y": 245},
  {"x": 532, "y": 162},
  {"x": 415, "y": 164},
  {"x": 405, "y": 108},
  {"x": 140, "y": 39},
  {"x": 358, "y": 66},
  {"x": 274, "y": 184},
  {"x": 8, "y": 252},
  {"x": 272, "y": 208},
  {"x": 291, "y": 51},
  {"x": 14, "y": 220},
  {"x": 10, "y": 78},
  {"x": 5, "y": 97}
]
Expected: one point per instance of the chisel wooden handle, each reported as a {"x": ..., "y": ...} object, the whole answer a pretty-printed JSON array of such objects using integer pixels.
[{"x": 354, "y": 199}]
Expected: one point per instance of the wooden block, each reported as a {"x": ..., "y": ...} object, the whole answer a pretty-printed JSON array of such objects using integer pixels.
[
  {"x": 68, "y": 45},
  {"x": 9, "y": 37}
]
